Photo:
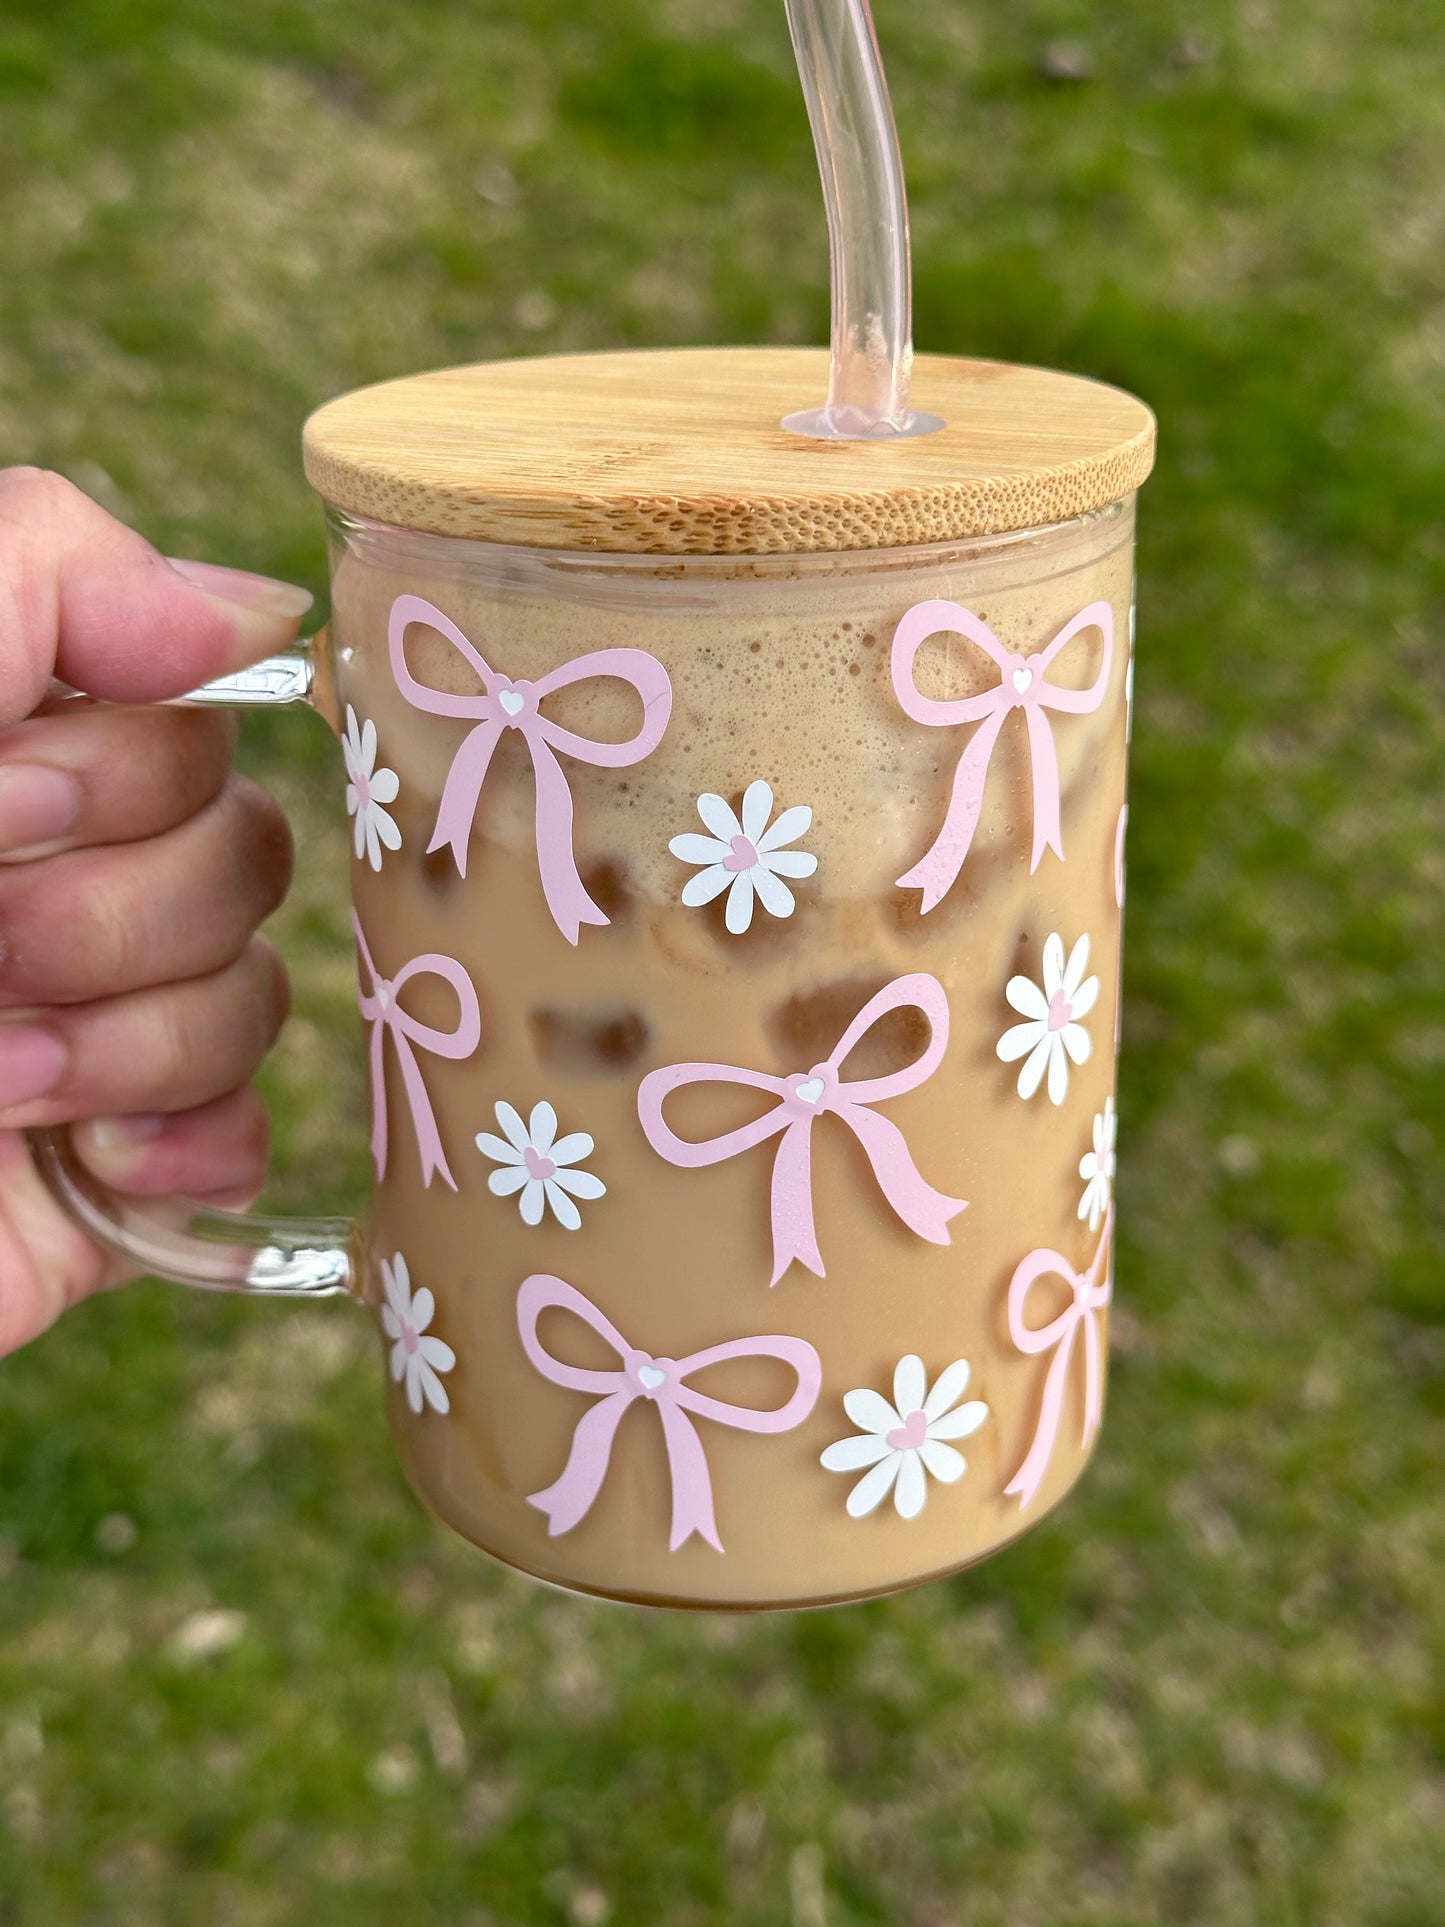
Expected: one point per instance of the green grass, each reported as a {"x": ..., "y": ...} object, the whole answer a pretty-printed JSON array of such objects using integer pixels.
[{"x": 1209, "y": 1691}]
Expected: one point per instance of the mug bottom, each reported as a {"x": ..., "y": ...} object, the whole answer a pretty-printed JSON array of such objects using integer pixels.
[{"x": 802, "y": 1602}]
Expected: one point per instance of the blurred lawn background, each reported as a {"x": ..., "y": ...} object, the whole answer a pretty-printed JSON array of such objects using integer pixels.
[{"x": 243, "y": 1680}]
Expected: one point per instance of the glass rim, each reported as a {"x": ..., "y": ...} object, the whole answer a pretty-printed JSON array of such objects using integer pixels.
[{"x": 760, "y": 566}]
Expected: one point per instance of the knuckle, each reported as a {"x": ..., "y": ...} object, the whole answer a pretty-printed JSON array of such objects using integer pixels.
[
  {"x": 185, "y": 755},
  {"x": 108, "y": 934},
  {"x": 35, "y": 489},
  {"x": 275, "y": 982},
  {"x": 250, "y": 996},
  {"x": 250, "y": 1128},
  {"x": 56, "y": 940},
  {"x": 183, "y": 1044},
  {"x": 208, "y": 1036},
  {"x": 145, "y": 770},
  {"x": 188, "y": 750},
  {"x": 266, "y": 838},
  {"x": 205, "y": 733}
]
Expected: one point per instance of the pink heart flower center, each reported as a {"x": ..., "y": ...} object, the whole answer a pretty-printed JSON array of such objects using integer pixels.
[
  {"x": 363, "y": 790},
  {"x": 908, "y": 1436},
  {"x": 410, "y": 1336},
  {"x": 537, "y": 1165},
  {"x": 1061, "y": 1011},
  {"x": 742, "y": 855}
]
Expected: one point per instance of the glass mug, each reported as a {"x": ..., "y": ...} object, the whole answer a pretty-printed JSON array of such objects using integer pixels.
[{"x": 738, "y": 944}]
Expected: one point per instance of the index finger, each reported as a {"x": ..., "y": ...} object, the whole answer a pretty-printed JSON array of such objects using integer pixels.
[{"x": 87, "y": 600}]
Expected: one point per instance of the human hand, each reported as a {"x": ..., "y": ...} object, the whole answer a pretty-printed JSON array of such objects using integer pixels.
[{"x": 136, "y": 999}]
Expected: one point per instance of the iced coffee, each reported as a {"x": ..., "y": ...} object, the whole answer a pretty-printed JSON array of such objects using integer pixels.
[{"x": 738, "y": 947}]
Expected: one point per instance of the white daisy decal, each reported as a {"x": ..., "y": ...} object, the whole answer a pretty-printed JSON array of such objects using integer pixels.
[
  {"x": 745, "y": 858},
  {"x": 1053, "y": 1034},
  {"x": 367, "y": 788},
  {"x": 534, "y": 1161},
  {"x": 903, "y": 1443},
  {"x": 416, "y": 1356},
  {"x": 1096, "y": 1167}
]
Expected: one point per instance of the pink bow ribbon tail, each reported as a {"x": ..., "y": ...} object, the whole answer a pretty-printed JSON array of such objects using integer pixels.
[
  {"x": 503, "y": 705},
  {"x": 566, "y": 895},
  {"x": 661, "y": 1381},
  {"x": 936, "y": 871},
  {"x": 802, "y": 1099},
  {"x": 462, "y": 791},
  {"x": 380, "y": 1007},
  {"x": 1058, "y": 1336},
  {"x": 1022, "y": 684}
]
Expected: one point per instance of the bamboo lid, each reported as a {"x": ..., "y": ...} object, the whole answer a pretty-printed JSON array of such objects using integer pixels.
[{"x": 679, "y": 452}]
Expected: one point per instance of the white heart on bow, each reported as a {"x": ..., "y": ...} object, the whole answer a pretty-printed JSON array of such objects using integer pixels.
[
  {"x": 512, "y": 700},
  {"x": 811, "y": 1091},
  {"x": 383, "y": 996},
  {"x": 651, "y": 1377},
  {"x": 1021, "y": 680}
]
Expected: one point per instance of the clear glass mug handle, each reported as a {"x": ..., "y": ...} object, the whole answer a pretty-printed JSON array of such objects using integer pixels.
[{"x": 192, "y": 1244}]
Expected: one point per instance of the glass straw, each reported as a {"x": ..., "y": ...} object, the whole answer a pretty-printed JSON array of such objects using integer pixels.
[{"x": 857, "y": 146}]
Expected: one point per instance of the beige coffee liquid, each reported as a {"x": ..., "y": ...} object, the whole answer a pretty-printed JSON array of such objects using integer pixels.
[{"x": 779, "y": 670}]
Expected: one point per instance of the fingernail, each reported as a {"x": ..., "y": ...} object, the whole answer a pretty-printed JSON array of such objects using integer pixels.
[
  {"x": 114, "y": 1147},
  {"x": 260, "y": 592},
  {"x": 36, "y": 806},
  {"x": 32, "y": 1062},
  {"x": 120, "y": 1134}
]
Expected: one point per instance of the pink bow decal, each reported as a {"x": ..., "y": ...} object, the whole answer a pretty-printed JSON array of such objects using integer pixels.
[
  {"x": 380, "y": 1008},
  {"x": 804, "y": 1097},
  {"x": 503, "y": 705},
  {"x": 1021, "y": 685},
  {"x": 660, "y": 1379},
  {"x": 1090, "y": 1298}
]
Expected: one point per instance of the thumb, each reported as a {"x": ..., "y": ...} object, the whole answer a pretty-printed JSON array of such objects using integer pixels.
[{"x": 86, "y": 599}]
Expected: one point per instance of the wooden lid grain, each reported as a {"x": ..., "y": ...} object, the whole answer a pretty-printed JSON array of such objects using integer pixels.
[{"x": 680, "y": 452}]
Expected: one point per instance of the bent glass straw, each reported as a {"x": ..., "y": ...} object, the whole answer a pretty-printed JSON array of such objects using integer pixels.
[{"x": 872, "y": 294}]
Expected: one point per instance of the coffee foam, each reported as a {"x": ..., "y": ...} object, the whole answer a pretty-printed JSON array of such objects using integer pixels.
[{"x": 784, "y": 677}]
